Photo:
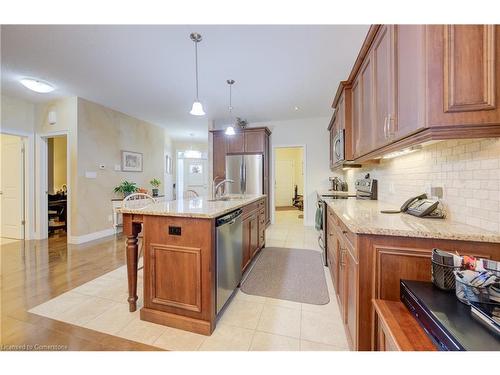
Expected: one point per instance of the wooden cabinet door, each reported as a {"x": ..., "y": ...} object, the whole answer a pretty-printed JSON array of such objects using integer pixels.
[
  {"x": 254, "y": 234},
  {"x": 236, "y": 143},
  {"x": 410, "y": 89},
  {"x": 356, "y": 118},
  {"x": 351, "y": 298},
  {"x": 254, "y": 141},
  {"x": 362, "y": 102},
  {"x": 332, "y": 133},
  {"x": 333, "y": 259},
  {"x": 219, "y": 155},
  {"x": 261, "y": 224},
  {"x": 342, "y": 283},
  {"x": 383, "y": 87},
  {"x": 463, "y": 66},
  {"x": 247, "y": 253}
]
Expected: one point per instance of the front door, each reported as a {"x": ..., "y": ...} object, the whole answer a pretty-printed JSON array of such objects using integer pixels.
[
  {"x": 12, "y": 187},
  {"x": 195, "y": 176}
]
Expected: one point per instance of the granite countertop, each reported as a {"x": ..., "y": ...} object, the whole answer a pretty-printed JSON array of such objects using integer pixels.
[
  {"x": 201, "y": 207},
  {"x": 337, "y": 193},
  {"x": 364, "y": 217}
]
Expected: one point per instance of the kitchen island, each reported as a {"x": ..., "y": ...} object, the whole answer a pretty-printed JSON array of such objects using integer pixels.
[{"x": 179, "y": 245}]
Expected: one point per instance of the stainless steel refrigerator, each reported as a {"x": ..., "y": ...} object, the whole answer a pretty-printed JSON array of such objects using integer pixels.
[{"x": 247, "y": 172}]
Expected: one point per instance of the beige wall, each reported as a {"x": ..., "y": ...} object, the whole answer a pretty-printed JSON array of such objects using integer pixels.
[
  {"x": 102, "y": 134},
  {"x": 467, "y": 170},
  {"x": 294, "y": 154},
  {"x": 17, "y": 115}
]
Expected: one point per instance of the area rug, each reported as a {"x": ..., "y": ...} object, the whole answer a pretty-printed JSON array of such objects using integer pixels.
[{"x": 291, "y": 274}]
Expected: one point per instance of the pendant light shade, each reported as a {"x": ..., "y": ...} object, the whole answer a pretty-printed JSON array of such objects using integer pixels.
[
  {"x": 230, "y": 128},
  {"x": 197, "y": 109}
]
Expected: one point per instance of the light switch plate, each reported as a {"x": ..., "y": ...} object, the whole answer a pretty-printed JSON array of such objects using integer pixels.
[{"x": 90, "y": 174}]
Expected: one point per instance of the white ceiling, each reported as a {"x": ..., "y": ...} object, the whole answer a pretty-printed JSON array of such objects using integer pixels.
[{"x": 148, "y": 71}]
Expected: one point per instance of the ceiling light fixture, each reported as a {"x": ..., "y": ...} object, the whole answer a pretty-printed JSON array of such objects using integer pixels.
[
  {"x": 230, "y": 128},
  {"x": 197, "y": 109},
  {"x": 37, "y": 85},
  {"x": 296, "y": 108}
]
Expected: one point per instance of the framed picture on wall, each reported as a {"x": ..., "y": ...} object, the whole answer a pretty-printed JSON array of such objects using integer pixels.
[
  {"x": 168, "y": 164},
  {"x": 131, "y": 161}
]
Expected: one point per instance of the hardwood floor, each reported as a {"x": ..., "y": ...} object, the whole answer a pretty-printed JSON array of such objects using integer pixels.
[{"x": 33, "y": 272}]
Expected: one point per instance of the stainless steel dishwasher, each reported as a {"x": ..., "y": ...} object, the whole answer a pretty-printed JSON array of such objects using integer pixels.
[{"x": 229, "y": 255}]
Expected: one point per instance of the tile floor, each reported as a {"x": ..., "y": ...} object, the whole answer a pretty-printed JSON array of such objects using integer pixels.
[{"x": 249, "y": 322}]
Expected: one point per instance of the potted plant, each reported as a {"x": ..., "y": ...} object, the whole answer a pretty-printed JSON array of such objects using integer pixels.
[
  {"x": 126, "y": 188},
  {"x": 155, "y": 183}
]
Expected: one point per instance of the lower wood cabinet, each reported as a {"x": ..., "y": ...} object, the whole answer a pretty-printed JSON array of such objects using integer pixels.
[
  {"x": 254, "y": 226},
  {"x": 366, "y": 267}
]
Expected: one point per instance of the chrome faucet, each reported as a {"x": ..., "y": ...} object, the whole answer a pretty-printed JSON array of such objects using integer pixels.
[{"x": 216, "y": 187}]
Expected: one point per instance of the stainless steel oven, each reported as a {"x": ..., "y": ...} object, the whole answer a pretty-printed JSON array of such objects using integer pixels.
[{"x": 338, "y": 147}]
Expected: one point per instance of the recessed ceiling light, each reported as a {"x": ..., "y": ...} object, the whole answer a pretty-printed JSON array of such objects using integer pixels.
[
  {"x": 37, "y": 85},
  {"x": 296, "y": 108}
]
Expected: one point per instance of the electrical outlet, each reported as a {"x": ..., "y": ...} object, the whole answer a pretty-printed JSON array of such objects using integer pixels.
[
  {"x": 118, "y": 167},
  {"x": 392, "y": 189},
  {"x": 437, "y": 191},
  {"x": 110, "y": 218}
]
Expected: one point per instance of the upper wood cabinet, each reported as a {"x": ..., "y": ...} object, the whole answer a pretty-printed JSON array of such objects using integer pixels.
[
  {"x": 415, "y": 83},
  {"x": 246, "y": 141},
  {"x": 463, "y": 79},
  {"x": 341, "y": 122},
  {"x": 235, "y": 143},
  {"x": 384, "y": 93}
]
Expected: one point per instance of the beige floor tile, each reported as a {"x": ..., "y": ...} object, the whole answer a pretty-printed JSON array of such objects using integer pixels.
[
  {"x": 315, "y": 346},
  {"x": 331, "y": 309},
  {"x": 142, "y": 331},
  {"x": 280, "y": 321},
  {"x": 275, "y": 243},
  {"x": 92, "y": 288},
  {"x": 59, "y": 304},
  {"x": 113, "y": 320},
  {"x": 228, "y": 338},
  {"x": 294, "y": 244},
  {"x": 84, "y": 312},
  {"x": 120, "y": 273},
  {"x": 242, "y": 296},
  {"x": 283, "y": 303},
  {"x": 242, "y": 314},
  {"x": 179, "y": 340},
  {"x": 267, "y": 341},
  {"x": 323, "y": 329}
]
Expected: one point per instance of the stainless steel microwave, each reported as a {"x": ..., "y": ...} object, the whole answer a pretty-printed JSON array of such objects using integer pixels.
[{"x": 338, "y": 147}]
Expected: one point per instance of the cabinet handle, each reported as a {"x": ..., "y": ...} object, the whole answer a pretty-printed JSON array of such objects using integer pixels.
[
  {"x": 344, "y": 231},
  {"x": 342, "y": 252},
  {"x": 385, "y": 127},
  {"x": 389, "y": 131}
]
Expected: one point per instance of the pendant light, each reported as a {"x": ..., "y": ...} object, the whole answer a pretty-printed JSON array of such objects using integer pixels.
[
  {"x": 230, "y": 128},
  {"x": 197, "y": 109}
]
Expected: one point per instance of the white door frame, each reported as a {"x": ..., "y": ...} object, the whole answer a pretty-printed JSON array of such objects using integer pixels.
[
  {"x": 273, "y": 177},
  {"x": 29, "y": 179},
  {"x": 42, "y": 221}
]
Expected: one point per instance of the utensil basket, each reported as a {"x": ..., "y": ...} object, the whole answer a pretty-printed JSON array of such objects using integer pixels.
[{"x": 443, "y": 276}]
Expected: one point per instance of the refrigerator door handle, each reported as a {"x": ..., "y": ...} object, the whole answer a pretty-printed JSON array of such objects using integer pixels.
[{"x": 244, "y": 180}]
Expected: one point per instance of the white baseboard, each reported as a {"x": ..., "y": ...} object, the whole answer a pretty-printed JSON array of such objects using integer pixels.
[{"x": 76, "y": 240}]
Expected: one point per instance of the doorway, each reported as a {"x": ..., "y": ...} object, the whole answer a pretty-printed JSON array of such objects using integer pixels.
[
  {"x": 289, "y": 185},
  {"x": 57, "y": 186},
  {"x": 12, "y": 189},
  {"x": 53, "y": 206},
  {"x": 192, "y": 174}
]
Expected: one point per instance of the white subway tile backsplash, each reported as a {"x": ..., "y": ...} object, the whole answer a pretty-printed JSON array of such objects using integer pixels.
[{"x": 467, "y": 170}]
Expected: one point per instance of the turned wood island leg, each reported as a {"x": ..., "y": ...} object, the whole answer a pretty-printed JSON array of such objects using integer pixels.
[{"x": 132, "y": 231}]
